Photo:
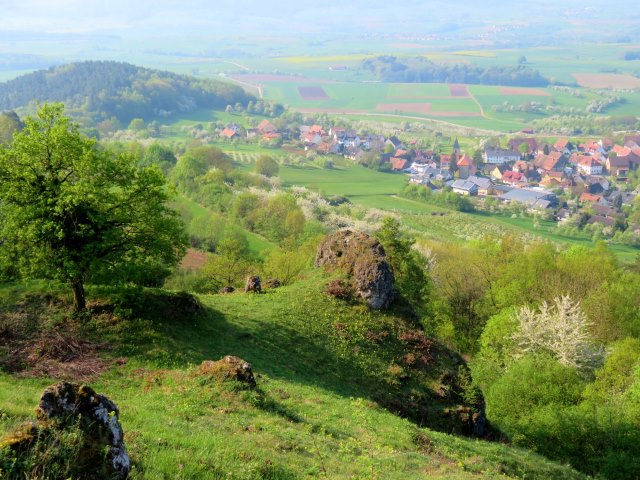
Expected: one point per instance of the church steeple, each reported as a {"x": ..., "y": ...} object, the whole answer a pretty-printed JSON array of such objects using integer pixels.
[{"x": 456, "y": 146}]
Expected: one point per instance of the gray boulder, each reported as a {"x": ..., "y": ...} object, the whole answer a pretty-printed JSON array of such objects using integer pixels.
[{"x": 363, "y": 259}]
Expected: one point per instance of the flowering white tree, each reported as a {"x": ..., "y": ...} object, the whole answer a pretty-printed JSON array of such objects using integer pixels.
[{"x": 561, "y": 329}]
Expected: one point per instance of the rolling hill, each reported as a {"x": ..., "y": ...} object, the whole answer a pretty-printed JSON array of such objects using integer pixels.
[{"x": 105, "y": 89}]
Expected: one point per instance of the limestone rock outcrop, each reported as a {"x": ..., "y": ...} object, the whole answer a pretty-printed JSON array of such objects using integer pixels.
[{"x": 362, "y": 258}]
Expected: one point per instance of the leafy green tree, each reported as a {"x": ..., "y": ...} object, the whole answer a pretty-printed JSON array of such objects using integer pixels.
[
  {"x": 229, "y": 266},
  {"x": 477, "y": 158},
  {"x": 137, "y": 125},
  {"x": 266, "y": 165},
  {"x": 75, "y": 212},
  {"x": 532, "y": 382},
  {"x": 159, "y": 155},
  {"x": 409, "y": 267},
  {"x": 211, "y": 157}
]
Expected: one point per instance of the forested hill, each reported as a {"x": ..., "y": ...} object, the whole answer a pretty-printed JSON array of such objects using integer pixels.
[
  {"x": 114, "y": 89},
  {"x": 421, "y": 70}
]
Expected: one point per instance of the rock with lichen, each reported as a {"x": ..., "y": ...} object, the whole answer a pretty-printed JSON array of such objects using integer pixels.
[
  {"x": 98, "y": 416},
  {"x": 67, "y": 407},
  {"x": 363, "y": 259},
  {"x": 229, "y": 368}
]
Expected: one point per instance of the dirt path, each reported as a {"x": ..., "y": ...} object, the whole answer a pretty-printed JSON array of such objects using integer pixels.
[
  {"x": 475, "y": 100},
  {"x": 250, "y": 85}
]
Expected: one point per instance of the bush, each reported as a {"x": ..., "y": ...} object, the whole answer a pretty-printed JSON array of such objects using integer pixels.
[{"x": 339, "y": 288}]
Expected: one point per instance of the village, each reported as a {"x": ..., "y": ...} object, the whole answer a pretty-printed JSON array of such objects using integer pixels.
[{"x": 588, "y": 184}]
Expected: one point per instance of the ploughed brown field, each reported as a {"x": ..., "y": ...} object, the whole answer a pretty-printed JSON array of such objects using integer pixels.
[
  {"x": 313, "y": 93},
  {"x": 607, "y": 80},
  {"x": 458, "y": 90},
  {"x": 524, "y": 91}
]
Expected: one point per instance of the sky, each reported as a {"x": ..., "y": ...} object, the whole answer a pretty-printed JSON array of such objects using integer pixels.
[{"x": 119, "y": 17}]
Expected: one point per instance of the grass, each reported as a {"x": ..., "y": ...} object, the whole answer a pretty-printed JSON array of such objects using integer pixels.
[
  {"x": 257, "y": 243},
  {"x": 350, "y": 181},
  {"x": 313, "y": 416}
]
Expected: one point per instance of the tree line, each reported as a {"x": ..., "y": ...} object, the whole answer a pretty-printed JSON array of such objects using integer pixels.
[{"x": 421, "y": 70}]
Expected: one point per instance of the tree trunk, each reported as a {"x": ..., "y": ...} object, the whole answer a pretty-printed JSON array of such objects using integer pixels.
[{"x": 79, "y": 301}]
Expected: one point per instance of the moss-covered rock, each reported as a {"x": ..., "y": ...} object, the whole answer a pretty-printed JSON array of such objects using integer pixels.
[
  {"x": 228, "y": 368},
  {"x": 362, "y": 258}
]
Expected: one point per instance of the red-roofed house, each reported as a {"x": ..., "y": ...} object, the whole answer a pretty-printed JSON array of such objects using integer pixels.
[
  {"x": 591, "y": 198},
  {"x": 514, "y": 178},
  {"x": 589, "y": 165},
  {"x": 563, "y": 145},
  {"x": 228, "y": 133},
  {"x": 398, "y": 164},
  {"x": 554, "y": 162},
  {"x": 265, "y": 126}
]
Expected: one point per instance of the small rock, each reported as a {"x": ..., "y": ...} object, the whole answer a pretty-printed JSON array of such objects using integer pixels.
[
  {"x": 273, "y": 283},
  {"x": 253, "y": 284},
  {"x": 229, "y": 368},
  {"x": 185, "y": 302}
]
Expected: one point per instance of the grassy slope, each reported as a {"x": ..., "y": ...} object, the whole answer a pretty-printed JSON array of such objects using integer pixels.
[{"x": 313, "y": 417}]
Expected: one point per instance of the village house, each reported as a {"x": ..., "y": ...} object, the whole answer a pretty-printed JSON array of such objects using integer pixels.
[
  {"x": 563, "y": 145},
  {"x": 498, "y": 171},
  {"x": 554, "y": 162},
  {"x": 229, "y": 134},
  {"x": 266, "y": 127},
  {"x": 484, "y": 184},
  {"x": 394, "y": 142},
  {"x": 591, "y": 198},
  {"x": 498, "y": 156},
  {"x": 445, "y": 162},
  {"x": 464, "y": 187},
  {"x": 398, "y": 164},
  {"x": 534, "y": 199},
  {"x": 515, "y": 179},
  {"x": 532, "y": 144},
  {"x": 618, "y": 166},
  {"x": 589, "y": 165}
]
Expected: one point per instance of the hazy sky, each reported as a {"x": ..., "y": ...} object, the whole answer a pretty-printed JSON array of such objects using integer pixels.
[
  {"x": 122, "y": 16},
  {"x": 162, "y": 17}
]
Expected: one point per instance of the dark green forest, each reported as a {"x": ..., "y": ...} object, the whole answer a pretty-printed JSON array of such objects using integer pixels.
[{"x": 102, "y": 90}]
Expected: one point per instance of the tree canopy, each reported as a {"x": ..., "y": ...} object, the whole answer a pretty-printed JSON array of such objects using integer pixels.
[{"x": 75, "y": 212}]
